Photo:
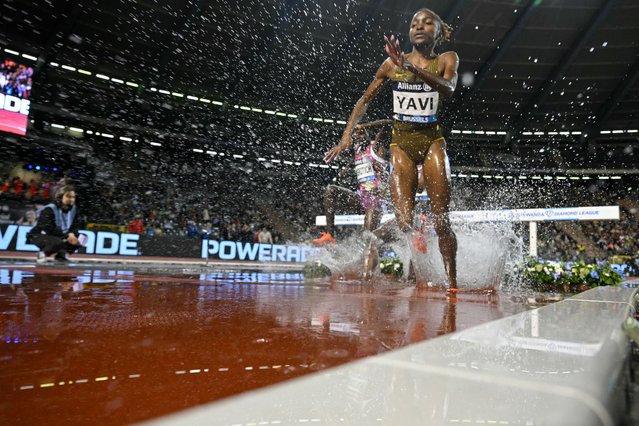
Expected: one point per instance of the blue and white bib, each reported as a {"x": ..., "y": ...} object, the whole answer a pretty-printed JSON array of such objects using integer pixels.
[{"x": 414, "y": 102}]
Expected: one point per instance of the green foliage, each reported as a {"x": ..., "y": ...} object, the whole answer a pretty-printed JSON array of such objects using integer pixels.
[
  {"x": 568, "y": 276},
  {"x": 392, "y": 266}
]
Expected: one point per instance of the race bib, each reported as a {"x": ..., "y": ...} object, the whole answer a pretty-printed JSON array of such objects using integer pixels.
[
  {"x": 415, "y": 102},
  {"x": 364, "y": 171}
]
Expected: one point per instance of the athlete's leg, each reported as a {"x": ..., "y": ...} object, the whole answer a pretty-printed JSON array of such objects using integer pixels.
[
  {"x": 372, "y": 218},
  {"x": 385, "y": 231},
  {"x": 335, "y": 196},
  {"x": 437, "y": 174},
  {"x": 403, "y": 184}
]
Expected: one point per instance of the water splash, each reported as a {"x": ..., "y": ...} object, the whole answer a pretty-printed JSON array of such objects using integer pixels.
[
  {"x": 486, "y": 254},
  {"x": 345, "y": 259}
]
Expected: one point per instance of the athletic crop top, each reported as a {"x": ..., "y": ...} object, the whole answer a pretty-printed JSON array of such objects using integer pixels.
[
  {"x": 414, "y": 101},
  {"x": 369, "y": 168}
]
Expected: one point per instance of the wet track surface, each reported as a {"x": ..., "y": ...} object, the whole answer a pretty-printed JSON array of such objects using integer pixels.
[{"x": 97, "y": 344}]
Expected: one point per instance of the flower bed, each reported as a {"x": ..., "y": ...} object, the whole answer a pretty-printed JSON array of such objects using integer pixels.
[
  {"x": 568, "y": 277},
  {"x": 542, "y": 275},
  {"x": 391, "y": 266}
]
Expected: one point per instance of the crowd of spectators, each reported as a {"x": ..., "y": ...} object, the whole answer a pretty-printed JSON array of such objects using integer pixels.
[
  {"x": 165, "y": 210},
  {"x": 15, "y": 79},
  {"x": 36, "y": 190},
  {"x": 616, "y": 238},
  {"x": 249, "y": 202},
  {"x": 613, "y": 238},
  {"x": 188, "y": 194}
]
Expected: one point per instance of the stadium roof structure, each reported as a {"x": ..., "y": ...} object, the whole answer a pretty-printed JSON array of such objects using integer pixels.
[{"x": 529, "y": 69}]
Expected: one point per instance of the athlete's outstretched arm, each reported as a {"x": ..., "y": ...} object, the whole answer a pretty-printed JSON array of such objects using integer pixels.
[
  {"x": 359, "y": 111},
  {"x": 445, "y": 85},
  {"x": 376, "y": 123}
]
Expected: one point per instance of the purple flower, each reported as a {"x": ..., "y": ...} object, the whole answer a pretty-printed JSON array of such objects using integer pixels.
[{"x": 594, "y": 274}]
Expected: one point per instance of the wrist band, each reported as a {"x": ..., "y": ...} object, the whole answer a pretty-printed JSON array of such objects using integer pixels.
[{"x": 407, "y": 65}]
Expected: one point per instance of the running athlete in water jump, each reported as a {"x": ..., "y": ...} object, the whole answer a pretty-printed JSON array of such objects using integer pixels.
[
  {"x": 418, "y": 79},
  {"x": 372, "y": 171},
  {"x": 371, "y": 168}
]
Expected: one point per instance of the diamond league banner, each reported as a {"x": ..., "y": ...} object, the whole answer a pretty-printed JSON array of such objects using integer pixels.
[
  {"x": 520, "y": 215},
  {"x": 14, "y": 238}
]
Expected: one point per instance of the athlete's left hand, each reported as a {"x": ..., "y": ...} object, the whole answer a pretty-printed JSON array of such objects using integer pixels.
[{"x": 394, "y": 51}]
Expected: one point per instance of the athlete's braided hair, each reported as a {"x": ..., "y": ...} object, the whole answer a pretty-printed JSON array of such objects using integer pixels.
[{"x": 445, "y": 30}]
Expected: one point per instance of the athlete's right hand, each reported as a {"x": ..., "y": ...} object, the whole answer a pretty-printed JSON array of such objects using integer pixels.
[
  {"x": 333, "y": 153},
  {"x": 394, "y": 51}
]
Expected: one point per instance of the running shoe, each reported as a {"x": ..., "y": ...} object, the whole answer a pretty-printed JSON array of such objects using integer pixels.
[
  {"x": 326, "y": 238},
  {"x": 41, "y": 257}
]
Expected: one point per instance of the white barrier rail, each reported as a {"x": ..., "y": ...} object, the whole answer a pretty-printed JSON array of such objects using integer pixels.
[{"x": 518, "y": 215}]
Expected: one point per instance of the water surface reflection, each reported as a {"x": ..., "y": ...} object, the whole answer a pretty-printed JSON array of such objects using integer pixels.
[{"x": 116, "y": 346}]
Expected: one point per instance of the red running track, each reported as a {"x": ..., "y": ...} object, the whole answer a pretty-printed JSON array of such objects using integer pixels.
[{"x": 115, "y": 346}]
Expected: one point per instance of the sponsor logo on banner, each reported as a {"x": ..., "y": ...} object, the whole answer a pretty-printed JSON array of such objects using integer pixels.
[
  {"x": 14, "y": 237},
  {"x": 14, "y": 104},
  {"x": 521, "y": 215},
  {"x": 96, "y": 243},
  {"x": 111, "y": 243},
  {"x": 235, "y": 250},
  {"x": 527, "y": 215}
]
